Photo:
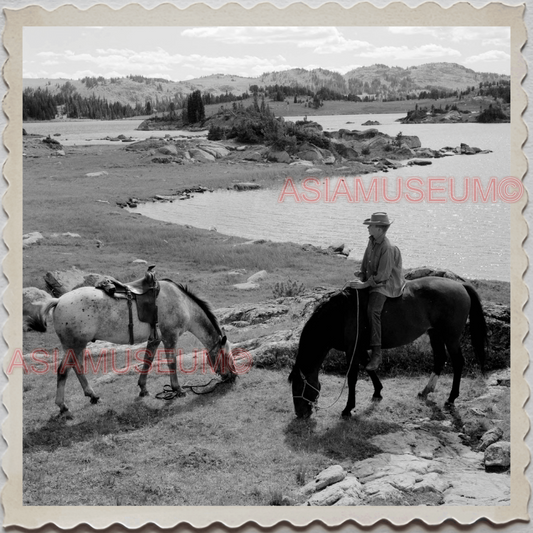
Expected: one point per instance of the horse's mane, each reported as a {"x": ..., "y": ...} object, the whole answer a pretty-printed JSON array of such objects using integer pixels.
[
  {"x": 206, "y": 308},
  {"x": 318, "y": 322},
  {"x": 326, "y": 299}
]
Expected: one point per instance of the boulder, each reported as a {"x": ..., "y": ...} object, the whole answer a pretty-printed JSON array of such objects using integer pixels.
[
  {"x": 419, "y": 162},
  {"x": 246, "y": 186},
  {"x": 466, "y": 150},
  {"x": 377, "y": 142},
  {"x": 302, "y": 163},
  {"x": 201, "y": 155},
  {"x": 60, "y": 282},
  {"x": 310, "y": 155},
  {"x": 423, "y": 272},
  {"x": 168, "y": 149},
  {"x": 411, "y": 141},
  {"x": 251, "y": 313},
  {"x": 327, "y": 477},
  {"x": 253, "y": 156},
  {"x": 257, "y": 276},
  {"x": 490, "y": 437},
  {"x": 31, "y": 238},
  {"x": 215, "y": 150},
  {"x": 96, "y": 174},
  {"x": 478, "y": 487},
  {"x": 274, "y": 354},
  {"x": 425, "y": 153},
  {"x": 279, "y": 156},
  {"x": 147, "y": 144},
  {"x": 404, "y": 152},
  {"x": 498, "y": 457},
  {"x": 345, "y": 151}
]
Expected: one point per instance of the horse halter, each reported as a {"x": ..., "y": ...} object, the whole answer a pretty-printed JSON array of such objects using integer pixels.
[{"x": 302, "y": 397}]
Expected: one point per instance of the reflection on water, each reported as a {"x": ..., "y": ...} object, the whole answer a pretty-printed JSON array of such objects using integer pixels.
[{"x": 471, "y": 239}]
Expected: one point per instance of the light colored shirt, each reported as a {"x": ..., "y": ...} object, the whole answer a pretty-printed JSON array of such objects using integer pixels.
[{"x": 382, "y": 267}]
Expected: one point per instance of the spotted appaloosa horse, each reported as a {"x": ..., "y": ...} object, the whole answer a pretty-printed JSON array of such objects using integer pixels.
[{"x": 88, "y": 314}]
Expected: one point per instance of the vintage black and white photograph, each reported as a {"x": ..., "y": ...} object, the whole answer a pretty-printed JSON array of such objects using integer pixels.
[{"x": 267, "y": 266}]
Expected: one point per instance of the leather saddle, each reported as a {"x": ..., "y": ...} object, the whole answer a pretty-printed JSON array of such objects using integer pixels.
[{"x": 144, "y": 292}]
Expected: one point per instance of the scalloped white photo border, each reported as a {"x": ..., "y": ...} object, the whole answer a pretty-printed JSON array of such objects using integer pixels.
[{"x": 428, "y": 14}]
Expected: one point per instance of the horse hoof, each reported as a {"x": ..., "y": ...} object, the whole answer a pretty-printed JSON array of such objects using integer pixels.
[
  {"x": 94, "y": 399},
  {"x": 346, "y": 415},
  {"x": 144, "y": 393},
  {"x": 66, "y": 414},
  {"x": 377, "y": 398}
]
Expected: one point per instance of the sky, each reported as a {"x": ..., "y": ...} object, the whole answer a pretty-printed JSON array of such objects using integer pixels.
[{"x": 179, "y": 53}]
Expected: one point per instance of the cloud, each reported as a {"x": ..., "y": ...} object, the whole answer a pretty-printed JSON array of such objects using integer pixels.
[
  {"x": 489, "y": 56},
  {"x": 426, "y": 51},
  {"x": 301, "y": 36},
  {"x": 497, "y": 41},
  {"x": 456, "y": 33}
]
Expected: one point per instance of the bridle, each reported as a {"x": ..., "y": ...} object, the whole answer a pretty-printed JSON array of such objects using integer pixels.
[
  {"x": 302, "y": 396},
  {"x": 304, "y": 379}
]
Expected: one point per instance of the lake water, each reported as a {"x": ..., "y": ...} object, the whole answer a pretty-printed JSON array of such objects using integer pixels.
[
  {"x": 471, "y": 239},
  {"x": 93, "y": 132}
]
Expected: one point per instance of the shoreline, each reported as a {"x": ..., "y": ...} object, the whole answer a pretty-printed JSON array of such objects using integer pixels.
[{"x": 60, "y": 198}]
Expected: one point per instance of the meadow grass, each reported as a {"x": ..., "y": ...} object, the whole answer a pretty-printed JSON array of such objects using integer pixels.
[{"x": 240, "y": 445}]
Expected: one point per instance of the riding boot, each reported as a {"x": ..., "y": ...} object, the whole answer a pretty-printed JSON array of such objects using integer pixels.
[{"x": 375, "y": 359}]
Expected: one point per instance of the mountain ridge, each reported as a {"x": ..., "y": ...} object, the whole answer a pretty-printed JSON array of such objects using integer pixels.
[{"x": 378, "y": 80}]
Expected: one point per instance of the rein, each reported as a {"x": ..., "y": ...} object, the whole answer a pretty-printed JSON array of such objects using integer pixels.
[
  {"x": 168, "y": 393},
  {"x": 304, "y": 379}
]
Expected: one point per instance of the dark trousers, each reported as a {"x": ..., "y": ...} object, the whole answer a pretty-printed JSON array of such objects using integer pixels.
[{"x": 376, "y": 301}]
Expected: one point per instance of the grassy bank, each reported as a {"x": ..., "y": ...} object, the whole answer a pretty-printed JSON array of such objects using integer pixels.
[
  {"x": 59, "y": 198},
  {"x": 341, "y": 107}
]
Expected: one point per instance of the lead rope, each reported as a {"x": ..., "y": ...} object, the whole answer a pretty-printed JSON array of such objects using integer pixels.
[
  {"x": 168, "y": 393},
  {"x": 351, "y": 361}
]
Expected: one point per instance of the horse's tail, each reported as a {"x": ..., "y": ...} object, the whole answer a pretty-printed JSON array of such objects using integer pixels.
[
  {"x": 37, "y": 322},
  {"x": 478, "y": 326}
]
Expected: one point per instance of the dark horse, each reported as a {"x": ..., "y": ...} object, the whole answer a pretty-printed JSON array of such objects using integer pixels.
[{"x": 438, "y": 306}]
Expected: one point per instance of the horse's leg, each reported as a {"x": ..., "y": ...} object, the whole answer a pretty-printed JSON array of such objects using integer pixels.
[
  {"x": 458, "y": 362},
  {"x": 376, "y": 397},
  {"x": 73, "y": 359},
  {"x": 62, "y": 374},
  {"x": 151, "y": 348},
  {"x": 352, "y": 381},
  {"x": 439, "y": 360},
  {"x": 170, "y": 346},
  {"x": 87, "y": 389}
]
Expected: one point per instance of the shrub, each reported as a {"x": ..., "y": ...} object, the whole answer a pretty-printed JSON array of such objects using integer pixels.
[
  {"x": 217, "y": 133},
  {"x": 492, "y": 114},
  {"x": 287, "y": 289}
]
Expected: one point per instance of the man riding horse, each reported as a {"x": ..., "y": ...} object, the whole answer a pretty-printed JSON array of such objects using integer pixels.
[{"x": 381, "y": 270}]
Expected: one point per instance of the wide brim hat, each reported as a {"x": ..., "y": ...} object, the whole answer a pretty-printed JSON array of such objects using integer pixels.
[{"x": 379, "y": 219}]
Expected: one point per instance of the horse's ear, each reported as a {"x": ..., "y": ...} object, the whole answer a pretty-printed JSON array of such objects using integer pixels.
[{"x": 223, "y": 340}]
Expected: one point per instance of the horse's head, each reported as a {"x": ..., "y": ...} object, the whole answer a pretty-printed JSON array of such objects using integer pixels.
[
  {"x": 305, "y": 392},
  {"x": 225, "y": 364}
]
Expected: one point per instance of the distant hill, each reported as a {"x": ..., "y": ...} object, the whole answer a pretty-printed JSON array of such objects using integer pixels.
[{"x": 378, "y": 81}]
